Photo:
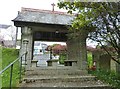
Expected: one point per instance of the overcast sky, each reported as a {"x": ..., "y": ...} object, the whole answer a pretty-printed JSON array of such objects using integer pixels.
[{"x": 10, "y": 8}]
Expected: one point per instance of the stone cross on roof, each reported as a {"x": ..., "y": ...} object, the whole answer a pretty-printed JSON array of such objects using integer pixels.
[{"x": 53, "y": 5}]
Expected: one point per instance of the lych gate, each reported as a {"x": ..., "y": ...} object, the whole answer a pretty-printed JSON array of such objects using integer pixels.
[{"x": 43, "y": 25}]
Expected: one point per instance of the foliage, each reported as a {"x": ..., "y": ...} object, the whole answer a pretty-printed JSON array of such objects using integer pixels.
[
  {"x": 62, "y": 58},
  {"x": 8, "y": 56},
  {"x": 90, "y": 60},
  {"x": 102, "y": 20},
  {"x": 109, "y": 77},
  {"x": 57, "y": 49}
]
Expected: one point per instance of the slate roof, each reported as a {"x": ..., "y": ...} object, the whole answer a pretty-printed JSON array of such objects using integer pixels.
[{"x": 44, "y": 16}]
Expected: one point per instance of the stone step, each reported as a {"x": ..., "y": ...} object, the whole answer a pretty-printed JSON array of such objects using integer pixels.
[
  {"x": 54, "y": 71},
  {"x": 81, "y": 87},
  {"x": 47, "y": 79},
  {"x": 61, "y": 78},
  {"x": 81, "y": 82},
  {"x": 68, "y": 85}
]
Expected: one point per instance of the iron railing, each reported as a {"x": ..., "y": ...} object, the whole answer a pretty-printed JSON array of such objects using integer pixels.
[{"x": 11, "y": 70}]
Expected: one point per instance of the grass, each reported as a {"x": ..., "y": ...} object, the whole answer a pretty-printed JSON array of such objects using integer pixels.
[
  {"x": 8, "y": 56},
  {"x": 0, "y": 66}
]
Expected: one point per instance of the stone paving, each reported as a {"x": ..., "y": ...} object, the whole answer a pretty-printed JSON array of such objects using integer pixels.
[{"x": 63, "y": 77}]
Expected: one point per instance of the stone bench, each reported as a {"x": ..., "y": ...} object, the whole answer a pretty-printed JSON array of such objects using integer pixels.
[
  {"x": 34, "y": 63},
  {"x": 53, "y": 62},
  {"x": 70, "y": 62}
]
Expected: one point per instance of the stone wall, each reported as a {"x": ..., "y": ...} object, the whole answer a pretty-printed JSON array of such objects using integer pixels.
[{"x": 103, "y": 61}]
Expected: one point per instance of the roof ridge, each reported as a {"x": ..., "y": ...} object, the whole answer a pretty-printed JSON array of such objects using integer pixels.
[{"x": 44, "y": 11}]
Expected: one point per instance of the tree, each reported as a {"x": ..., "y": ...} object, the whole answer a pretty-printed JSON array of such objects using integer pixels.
[
  {"x": 1, "y": 37},
  {"x": 12, "y": 34},
  {"x": 101, "y": 19}
]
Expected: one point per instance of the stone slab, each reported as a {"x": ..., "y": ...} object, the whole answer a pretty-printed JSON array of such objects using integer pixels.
[
  {"x": 34, "y": 63},
  {"x": 53, "y": 63},
  {"x": 70, "y": 63}
]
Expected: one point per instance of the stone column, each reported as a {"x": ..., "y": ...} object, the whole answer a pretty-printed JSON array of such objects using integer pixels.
[
  {"x": 72, "y": 49},
  {"x": 77, "y": 48},
  {"x": 27, "y": 35},
  {"x": 82, "y": 51}
]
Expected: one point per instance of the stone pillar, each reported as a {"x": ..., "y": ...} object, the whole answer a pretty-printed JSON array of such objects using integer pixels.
[
  {"x": 25, "y": 42},
  {"x": 82, "y": 51},
  {"x": 72, "y": 49},
  {"x": 77, "y": 49},
  {"x": 27, "y": 35}
]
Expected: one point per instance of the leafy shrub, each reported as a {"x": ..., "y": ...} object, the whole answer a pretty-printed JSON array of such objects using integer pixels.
[
  {"x": 62, "y": 58},
  {"x": 109, "y": 77},
  {"x": 90, "y": 60}
]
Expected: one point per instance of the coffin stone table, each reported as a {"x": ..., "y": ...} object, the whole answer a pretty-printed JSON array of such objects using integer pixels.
[
  {"x": 53, "y": 62},
  {"x": 34, "y": 63},
  {"x": 70, "y": 63}
]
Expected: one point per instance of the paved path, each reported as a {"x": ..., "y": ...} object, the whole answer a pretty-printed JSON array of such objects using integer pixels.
[{"x": 62, "y": 77}]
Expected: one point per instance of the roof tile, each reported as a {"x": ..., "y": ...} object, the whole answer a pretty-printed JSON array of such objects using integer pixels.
[{"x": 44, "y": 11}]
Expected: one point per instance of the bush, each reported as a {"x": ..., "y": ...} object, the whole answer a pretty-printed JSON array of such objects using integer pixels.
[
  {"x": 109, "y": 77},
  {"x": 62, "y": 58},
  {"x": 90, "y": 60}
]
